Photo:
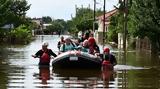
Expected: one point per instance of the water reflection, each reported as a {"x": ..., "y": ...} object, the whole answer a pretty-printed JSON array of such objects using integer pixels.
[
  {"x": 107, "y": 77},
  {"x": 78, "y": 78},
  {"x": 44, "y": 74}
]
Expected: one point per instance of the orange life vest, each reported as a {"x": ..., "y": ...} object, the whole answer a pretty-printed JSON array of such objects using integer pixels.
[{"x": 45, "y": 58}]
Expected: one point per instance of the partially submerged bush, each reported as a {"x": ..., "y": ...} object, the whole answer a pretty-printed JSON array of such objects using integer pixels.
[{"x": 20, "y": 34}]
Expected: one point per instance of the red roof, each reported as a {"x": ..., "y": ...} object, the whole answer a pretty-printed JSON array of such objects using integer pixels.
[{"x": 108, "y": 14}]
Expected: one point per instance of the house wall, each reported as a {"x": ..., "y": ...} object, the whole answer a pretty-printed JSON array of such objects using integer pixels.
[{"x": 99, "y": 34}]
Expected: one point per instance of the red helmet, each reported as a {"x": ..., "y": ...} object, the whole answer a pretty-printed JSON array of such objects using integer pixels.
[
  {"x": 91, "y": 40},
  {"x": 106, "y": 50}
]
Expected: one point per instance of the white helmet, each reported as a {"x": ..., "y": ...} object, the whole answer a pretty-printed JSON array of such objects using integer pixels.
[{"x": 45, "y": 44}]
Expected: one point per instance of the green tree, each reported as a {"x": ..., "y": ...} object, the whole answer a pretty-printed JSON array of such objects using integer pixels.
[
  {"x": 85, "y": 25},
  {"x": 71, "y": 27},
  {"x": 62, "y": 23},
  {"x": 55, "y": 27},
  {"x": 18, "y": 10},
  {"x": 4, "y": 11},
  {"x": 19, "y": 7},
  {"x": 146, "y": 19},
  {"x": 13, "y": 12},
  {"x": 84, "y": 19},
  {"x": 46, "y": 19},
  {"x": 20, "y": 34},
  {"x": 117, "y": 22},
  {"x": 115, "y": 27}
]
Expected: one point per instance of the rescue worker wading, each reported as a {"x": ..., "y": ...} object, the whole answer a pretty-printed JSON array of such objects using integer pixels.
[{"x": 44, "y": 54}]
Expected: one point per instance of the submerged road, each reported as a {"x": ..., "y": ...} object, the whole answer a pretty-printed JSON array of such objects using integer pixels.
[{"x": 18, "y": 70}]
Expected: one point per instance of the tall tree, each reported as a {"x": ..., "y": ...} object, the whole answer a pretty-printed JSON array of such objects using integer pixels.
[
  {"x": 146, "y": 18},
  {"x": 83, "y": 19},
  {"x": 62, "y": 23},
  {"x": 13, "y": 11},
  {"x": 4, "y": 11},
  {"x": 55, "y": 27}
]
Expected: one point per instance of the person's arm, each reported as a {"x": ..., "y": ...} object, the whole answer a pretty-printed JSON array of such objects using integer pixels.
[
  {"x": 97, "y": 51},
  {"x": 59, "y": 45},
  {"x": 113, "y": 59},
  {"x": 37, "y": 54},
  {"x": 74, "y": 46},
  {"x": 52, "y": 53}
]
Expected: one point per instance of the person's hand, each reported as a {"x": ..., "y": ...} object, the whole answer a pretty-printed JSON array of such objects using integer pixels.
[
  {"x": 59, "y": 53},
  {"x": 34, "y": 56},
  {"x": 52, "y": 57},
  {"x": 97, "y": 54}
]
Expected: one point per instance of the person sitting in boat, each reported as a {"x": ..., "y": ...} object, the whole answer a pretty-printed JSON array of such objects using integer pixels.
[
  {"x": 84, "y": 37},
  {"x": 44, "y": 54},
  {"x": 84, "y": 47},
  {"x": 93, "y": 47},
  {"x": 108, "y": 57},
  {"x": 67, "y": 46},
  {"x": 61, "y": 42}
]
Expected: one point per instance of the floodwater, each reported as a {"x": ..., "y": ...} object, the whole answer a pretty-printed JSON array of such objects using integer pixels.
[{"x": 18, "y": 70}]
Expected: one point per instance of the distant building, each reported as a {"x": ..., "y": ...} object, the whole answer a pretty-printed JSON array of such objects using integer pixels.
[
  {"x": 38, "y": 21},
  {"x": 39, "y": 26},
  {"x": 45, "y": 26}
]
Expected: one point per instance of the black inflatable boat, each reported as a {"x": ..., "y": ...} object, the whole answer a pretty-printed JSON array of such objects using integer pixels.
[{"x": 76, "y": 59}]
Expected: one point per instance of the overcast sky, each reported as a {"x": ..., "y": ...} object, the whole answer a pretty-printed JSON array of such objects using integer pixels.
[{"x": 62, "y": 9}]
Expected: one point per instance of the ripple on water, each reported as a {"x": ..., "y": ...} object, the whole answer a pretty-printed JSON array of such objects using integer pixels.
[{"x": 128, "y": 67}]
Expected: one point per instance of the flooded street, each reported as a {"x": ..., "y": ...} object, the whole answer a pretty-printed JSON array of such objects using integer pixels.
[{"x": 18, "y": 70}]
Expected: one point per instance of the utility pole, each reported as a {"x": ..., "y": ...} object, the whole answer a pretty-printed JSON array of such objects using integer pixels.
[
  {"x": 94, "y": 16},
  {"x": 125, "y": 24},
  {"x": 125, "y": 27},
  {"x": 104, "y": 12}
]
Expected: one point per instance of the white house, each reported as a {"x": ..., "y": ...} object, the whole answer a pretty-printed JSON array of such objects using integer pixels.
[{"x": 45, "y": 26}]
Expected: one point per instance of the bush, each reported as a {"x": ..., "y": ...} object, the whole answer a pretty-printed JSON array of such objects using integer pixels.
[{"x": 21, "y": 34}]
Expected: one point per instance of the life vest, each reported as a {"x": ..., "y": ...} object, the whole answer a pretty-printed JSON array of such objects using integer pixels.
[
  {"x": 106, "y": 62},
  {"x": 45, "y": 58},
  {"x": 106, "y": 65},
  {"x": 91, "y": 40}
]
